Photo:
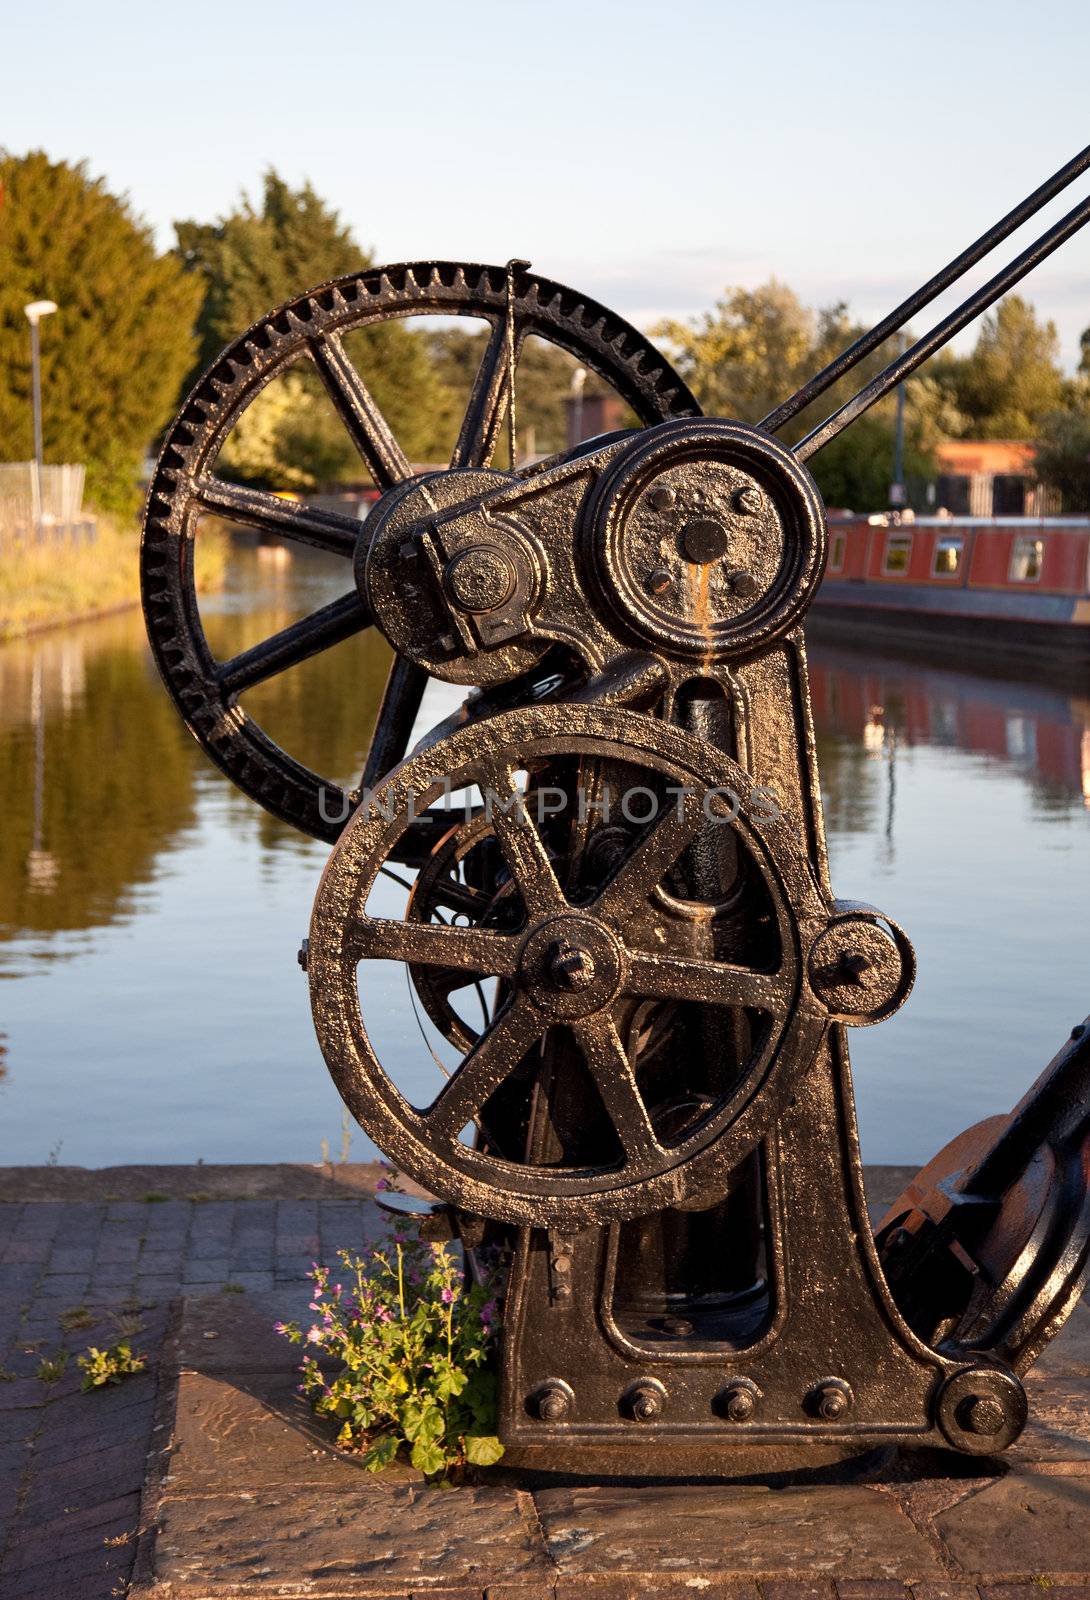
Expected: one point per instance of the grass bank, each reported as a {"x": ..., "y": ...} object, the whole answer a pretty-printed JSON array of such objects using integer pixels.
[{"x": 43, "y": 586}]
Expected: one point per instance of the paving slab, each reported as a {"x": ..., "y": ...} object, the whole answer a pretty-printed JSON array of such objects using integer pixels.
[
  {"x": 725, "y": 1530},
  {"x": 1028, "y": 1525}
]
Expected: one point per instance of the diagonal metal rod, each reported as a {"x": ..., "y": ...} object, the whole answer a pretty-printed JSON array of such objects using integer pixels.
[
  {"x": 943, "y": 331},
  {"x": 923, "y": 296}
]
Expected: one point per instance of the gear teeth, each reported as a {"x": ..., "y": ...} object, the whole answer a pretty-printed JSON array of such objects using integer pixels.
[{"x": 582, "y": 327}]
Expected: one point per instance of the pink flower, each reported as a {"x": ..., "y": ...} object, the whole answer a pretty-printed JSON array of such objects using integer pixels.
[
  {"x": 448, "y": 1297},
  {"x": 314, "y": 1336},
  {"x": 488, "y": 1311}
]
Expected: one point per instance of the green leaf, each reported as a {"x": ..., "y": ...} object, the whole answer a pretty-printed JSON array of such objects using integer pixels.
[
  {"x": 483, "y": 1449},
  {"x": 382, "y": 1452},
  {"x": 428, "y": 1457}
]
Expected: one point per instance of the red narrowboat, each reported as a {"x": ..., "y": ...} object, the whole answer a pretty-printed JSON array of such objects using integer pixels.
[{"x": 1022, "y": 583}]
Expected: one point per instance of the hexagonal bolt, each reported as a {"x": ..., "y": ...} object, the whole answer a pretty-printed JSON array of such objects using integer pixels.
[
  {"x": 570, "y": 966},
  {"x": 832, "y": 1399},
  {"x": 551, "y": 1403},
  {"x": 740, "y": 1404},
  {"x": 644, "y": 1402},
  {"x": 749, "y": 500},
  {"x": 982, "y": 1414}
]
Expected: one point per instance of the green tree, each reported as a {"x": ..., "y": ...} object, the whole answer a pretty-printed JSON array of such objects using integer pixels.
[
  {"x": 252, "y": 261},
  {"x": 1063, "y": 456},
  {"x": 114, "y": 355},
  {"x": 1012, "y": 380},
  {"x": 747, "y": 354}
]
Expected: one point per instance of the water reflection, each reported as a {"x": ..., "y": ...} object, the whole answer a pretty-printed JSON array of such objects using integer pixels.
[
  {"x": 150, "y": 914},
  {"x": 959, "y": 804},
  {"x": 869, "y": 707}
]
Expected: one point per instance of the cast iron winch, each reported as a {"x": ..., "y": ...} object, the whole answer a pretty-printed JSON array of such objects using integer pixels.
[{"x": 623, "y": 938}]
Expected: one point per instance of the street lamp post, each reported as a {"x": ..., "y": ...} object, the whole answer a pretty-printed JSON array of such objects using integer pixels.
[{"x": 34, "y": 314}]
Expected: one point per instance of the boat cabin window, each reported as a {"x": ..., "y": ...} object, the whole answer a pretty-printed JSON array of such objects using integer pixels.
[
  {"x": 1026, "y": 555},
  {"x": 898, "y": 552},
  {"x": 836, "y": 552},
  {"x": 947, "y": 562}
]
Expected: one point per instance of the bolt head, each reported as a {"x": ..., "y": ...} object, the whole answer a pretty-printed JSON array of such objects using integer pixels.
[
  {"x": 833, "y": 1400},
  {"x": 744, "y": 584},
  {"x": 646, "y": 1404},
  {"x": 570, "y": 966},
  {"x": 704, "y": 540},
  {"x": 749, "y": 500},
  {"x": 552, "y": 1404},
  {"x": 984, "y": 1415},
  {"x": 303, "y": 954},
  {"x": 658, "y": 581},
  {"x": 740, "y": 1405},
  {"x": 661, "y": 497}
]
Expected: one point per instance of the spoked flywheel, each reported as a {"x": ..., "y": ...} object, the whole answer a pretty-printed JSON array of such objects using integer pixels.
[
  {"x": 578, "y": 959},
  {"x": 311, "y": 330}
]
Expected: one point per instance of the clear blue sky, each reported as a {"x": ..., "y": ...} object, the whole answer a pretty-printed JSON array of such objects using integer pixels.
[{"x": 647, "y": 153}]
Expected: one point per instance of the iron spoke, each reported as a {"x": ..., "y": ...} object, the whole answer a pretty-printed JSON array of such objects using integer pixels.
[
  {"x": 481, "y": 423},
  {"x": 474, "y": 951},
  {"x": 339, "y": 620},
  {"x": 367, "y": 427},
  {"x": 400, "y": 702},
  {"x": 494, "y": 1056},
  {"x": 714, "y": 983},
  {"x": 520, "y": 842},
  {"x": 253, "y": 508},
  {"x": 612, "y": 1072},
  {"x": 651, "y": 860}
]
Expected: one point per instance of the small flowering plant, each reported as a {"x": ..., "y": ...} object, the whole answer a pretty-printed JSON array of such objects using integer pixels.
[{"x": 412, "y": 1340}]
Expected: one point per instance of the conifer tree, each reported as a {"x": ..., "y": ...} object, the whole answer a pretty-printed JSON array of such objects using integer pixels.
[{"x": 114, "y": 355}]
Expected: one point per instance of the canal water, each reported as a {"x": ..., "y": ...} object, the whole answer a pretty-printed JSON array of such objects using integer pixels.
[{"x": 151, "y": 1008}]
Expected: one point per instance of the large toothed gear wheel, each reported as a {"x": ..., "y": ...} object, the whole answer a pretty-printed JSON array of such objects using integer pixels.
[
  {"x": 185, "y": 485},
  {"x": 581, "y": 963}
]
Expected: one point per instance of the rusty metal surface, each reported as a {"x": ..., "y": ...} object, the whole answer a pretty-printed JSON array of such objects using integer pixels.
[{"x": 626, "y": 942}]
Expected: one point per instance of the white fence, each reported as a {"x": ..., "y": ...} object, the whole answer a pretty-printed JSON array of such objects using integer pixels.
[{"x": 45, "y": 506}]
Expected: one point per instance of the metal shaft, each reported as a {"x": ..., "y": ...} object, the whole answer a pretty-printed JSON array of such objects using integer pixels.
[
  {"x": 927, "y": 293},
  {"x": 945, "y": 330}
]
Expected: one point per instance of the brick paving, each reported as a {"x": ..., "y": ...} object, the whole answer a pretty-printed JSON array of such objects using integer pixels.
[{"x": 83, "y": 1272}]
